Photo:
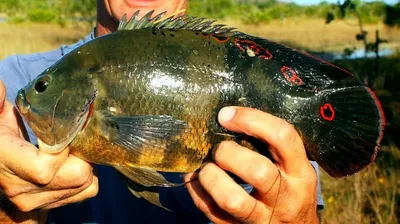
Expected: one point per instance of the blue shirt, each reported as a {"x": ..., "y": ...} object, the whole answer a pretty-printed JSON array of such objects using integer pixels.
[{"x": 114, "y": 203}]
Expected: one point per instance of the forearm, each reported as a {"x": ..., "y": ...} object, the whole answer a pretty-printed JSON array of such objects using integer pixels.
[{"x": 9, "y": 214}]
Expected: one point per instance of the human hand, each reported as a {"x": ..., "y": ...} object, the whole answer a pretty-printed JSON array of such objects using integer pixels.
[
  {"x": 31, "y": 179},
  {"x": 285, "y": 191}
]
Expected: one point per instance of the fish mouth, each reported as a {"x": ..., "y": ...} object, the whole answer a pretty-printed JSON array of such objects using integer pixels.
[{"x": 23, "y": 106}]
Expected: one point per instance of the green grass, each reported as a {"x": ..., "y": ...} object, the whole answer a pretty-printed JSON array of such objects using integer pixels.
[
  {"x": 27, "y": 38},
  {"x": 371, "y": 196}
]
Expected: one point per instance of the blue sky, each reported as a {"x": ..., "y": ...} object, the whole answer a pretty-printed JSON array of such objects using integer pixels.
[{"x": 310, "y": 2}]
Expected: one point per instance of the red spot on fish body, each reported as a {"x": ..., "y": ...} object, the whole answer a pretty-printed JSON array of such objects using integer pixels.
[
  {"x": 204, "y": 34},
  {"x": 327, "y": 112},
  {"x": 258, "y": 50},
  {"x": 318, "y": 59},
  {"x": 220, "y": 39},
  {"x": 237, "y": 43},
  {"x": 291, "y": 75}
]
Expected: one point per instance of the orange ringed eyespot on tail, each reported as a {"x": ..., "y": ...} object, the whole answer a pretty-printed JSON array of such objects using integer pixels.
[{"x": 327, "y": 112}]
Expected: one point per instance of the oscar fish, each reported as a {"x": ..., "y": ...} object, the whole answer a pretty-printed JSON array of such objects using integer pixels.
[{"x": 145, "y": 99}]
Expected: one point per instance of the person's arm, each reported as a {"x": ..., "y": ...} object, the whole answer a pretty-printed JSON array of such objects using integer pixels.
[
  {"x": 33, "y": 180},
  {"x": 284, "y": 190}
]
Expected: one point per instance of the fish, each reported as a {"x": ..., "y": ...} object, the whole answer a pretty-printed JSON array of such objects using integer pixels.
[{"x": 145, "y": 100}]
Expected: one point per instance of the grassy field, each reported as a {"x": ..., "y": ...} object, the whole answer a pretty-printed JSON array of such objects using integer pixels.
[
  {"x": 372, "y": 196},
  {"x": 28, "y": 38},
  {"x": 310, "y": 34},
  {"x": 315, "y": 35}
]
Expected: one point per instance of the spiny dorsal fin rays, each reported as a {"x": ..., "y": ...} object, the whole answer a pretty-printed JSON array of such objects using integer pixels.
[{"x": 196, "y": 24}]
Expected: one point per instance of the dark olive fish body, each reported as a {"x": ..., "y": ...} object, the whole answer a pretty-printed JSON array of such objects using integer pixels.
[
  {"x": 146, "y": 100},
  {"x": 163, "y": 72}
]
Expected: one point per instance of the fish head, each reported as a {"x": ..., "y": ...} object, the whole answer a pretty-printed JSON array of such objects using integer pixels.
[{"x": 57, "y": 105}]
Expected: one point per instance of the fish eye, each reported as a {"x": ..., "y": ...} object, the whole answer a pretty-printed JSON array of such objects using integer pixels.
[{"x": 41, "y": 86}]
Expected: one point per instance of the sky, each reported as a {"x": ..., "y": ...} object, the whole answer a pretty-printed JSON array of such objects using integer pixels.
[{"x": 310, "y": 2}]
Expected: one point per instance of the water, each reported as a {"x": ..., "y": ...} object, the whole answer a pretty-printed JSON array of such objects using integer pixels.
[
  {"x": 3, "y": 19},
  {"x": 359, "y": 53}
]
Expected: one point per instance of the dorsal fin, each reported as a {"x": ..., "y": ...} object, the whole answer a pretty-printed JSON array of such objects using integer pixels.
[{"x": 196, "y": 24}]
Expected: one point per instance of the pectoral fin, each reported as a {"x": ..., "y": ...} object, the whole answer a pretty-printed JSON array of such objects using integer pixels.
[{"x": 136, "y": 133}]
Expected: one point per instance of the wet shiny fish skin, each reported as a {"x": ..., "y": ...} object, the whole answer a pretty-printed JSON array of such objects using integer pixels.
[{"x": 146, "y": 100}]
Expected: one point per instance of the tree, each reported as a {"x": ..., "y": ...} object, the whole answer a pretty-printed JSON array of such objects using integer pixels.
[{"x": 353, "y": 7}]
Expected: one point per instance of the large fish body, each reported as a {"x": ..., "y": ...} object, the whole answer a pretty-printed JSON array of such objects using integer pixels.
[{"x": 146, "y": 100}]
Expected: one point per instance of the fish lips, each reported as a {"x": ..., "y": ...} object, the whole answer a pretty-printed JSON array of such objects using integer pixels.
[
  {"x": 22, "y": 104},
  {"x": 26, "y": 110}
]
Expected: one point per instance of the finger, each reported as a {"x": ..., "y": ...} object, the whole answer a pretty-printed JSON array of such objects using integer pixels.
[
  {"x": 204, "y": 202},
  {"x": 29, "y": 201},
  {"x": 229, "y": 196},
  {"x": 89, "y": 192},
  {"x": 286, "y": 145},
  {"x": 7, "y": 113},
  {"x": 2, "y": 95},
  {"x": 25, "y": 161},
  {"x": 9, "y": 214},
  {"x": 254, "y": 169},
  {"x": 73, "y": 174}
]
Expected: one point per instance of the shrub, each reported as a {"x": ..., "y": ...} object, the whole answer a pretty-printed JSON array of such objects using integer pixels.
[
  {"x": 256, "y": 16},
  {"x": 16, "y": 19},
  {"x": 42, "y": 15},
  {"x": 213, "y": 8}
]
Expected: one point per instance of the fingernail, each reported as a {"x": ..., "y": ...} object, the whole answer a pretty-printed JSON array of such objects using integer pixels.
[{"x": 226, "y": 114}]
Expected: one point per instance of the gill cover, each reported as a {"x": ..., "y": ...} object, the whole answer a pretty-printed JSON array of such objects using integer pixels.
[{"x": 59, "y": 100}]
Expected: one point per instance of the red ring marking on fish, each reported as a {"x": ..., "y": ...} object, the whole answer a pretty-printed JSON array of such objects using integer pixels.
[
  {"x": 291, "y": 75},
  {"x": 327, "y": 107},
  {"x": 204, "y": 34},
  {"x": 220, "y": 39},
  {"x": 258, "y": 50},
  {"x": 238, "y": 45}
]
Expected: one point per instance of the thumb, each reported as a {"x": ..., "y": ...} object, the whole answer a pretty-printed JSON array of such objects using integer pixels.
[{"x": 2, "y": 96}]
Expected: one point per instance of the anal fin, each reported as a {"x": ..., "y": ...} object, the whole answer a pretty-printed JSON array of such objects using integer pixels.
[
  {"x": 151, "y": 194},
  {"x": 146, "y": 177},
  {"x": 145, "y": 183}
]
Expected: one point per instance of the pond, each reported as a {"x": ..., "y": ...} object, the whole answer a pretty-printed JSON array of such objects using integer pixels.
[{"x": 359, "y": 53}]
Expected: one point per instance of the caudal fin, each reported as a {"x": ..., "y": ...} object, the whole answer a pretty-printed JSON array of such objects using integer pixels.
[{"x": 345, "y": 135}]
